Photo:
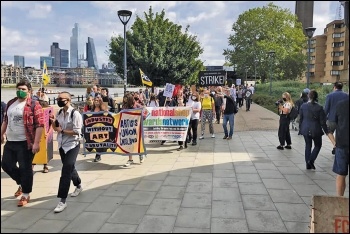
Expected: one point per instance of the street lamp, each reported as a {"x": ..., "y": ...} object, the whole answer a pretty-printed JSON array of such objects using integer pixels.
[
  {"x": 271, "y": 56},
  {"x": 309, "y": 32},
  {"x": 255, "y": 61},
  {"x": 124, "y": 16},
  {"x": 246, "y": 75}
]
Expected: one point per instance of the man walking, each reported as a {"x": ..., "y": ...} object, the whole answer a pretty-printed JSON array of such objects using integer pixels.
[
  {"x": 23, "y": 124},
  {"x": 229, "y": 115},
  {"x": 68, "y": 124},
  {"x": 332, "y": 100}
]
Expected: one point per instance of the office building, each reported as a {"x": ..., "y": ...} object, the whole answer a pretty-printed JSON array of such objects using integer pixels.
[
  {"x": 49, "y": 61},
  {"x": 91, "y": 54},
  {"x": 329, "y": 54},
  {"x": 19, "y": 61},
  {"x": 76, "y": 47},
  {"x": 64, "y": 58},
  {"x": 61, "y": 56},
  {"x": 304, "y": 10}
]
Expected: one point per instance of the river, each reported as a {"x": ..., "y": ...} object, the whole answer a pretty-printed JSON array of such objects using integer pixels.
[{"x": 9, "y": 93}]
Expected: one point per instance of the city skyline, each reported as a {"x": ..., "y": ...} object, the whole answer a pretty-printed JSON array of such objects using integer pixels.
[{"x": 37, "y": 28}]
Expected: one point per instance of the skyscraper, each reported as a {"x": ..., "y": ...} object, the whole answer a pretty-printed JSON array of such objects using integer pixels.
[
  {"x": 49, "y": 61},
  {"x": 305, "y": 13},
  {"x": 61, "y": 56},
  {"x": 91, "y": 53},
  {"x": 18, "y": 61},
  {"x": 64, "y": 58},
  {"x": 76, "y": 47}
]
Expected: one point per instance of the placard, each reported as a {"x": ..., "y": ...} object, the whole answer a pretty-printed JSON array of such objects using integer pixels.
[
  {"x": 169, "y": 90},
  {"x": 212, "y": 78}
]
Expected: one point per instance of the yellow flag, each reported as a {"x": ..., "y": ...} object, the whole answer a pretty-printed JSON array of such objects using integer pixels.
[
  {"x": 145, "y": 80},
  {"x": 45, "y": 76}
]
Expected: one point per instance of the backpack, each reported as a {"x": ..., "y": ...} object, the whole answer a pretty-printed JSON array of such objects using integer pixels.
[
  {"x": 71, "y": 114},
  {"x": 293, "y": 113}
]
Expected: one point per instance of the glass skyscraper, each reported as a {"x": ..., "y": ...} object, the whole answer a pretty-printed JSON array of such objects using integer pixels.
[
  {"x": 91, "y": 53},
  {"x": 76, "y": 47},
  {"x": 49, "y": 61},
  {"x": 64, "y": 58},
  {"x": 18, "y": 61}
]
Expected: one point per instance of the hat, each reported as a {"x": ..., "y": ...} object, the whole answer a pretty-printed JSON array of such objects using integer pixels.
[{"x": 306, "y": 90}]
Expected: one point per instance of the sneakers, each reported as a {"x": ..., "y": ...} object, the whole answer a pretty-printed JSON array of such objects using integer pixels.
[
  {"x": 180, "y": 148},
  {"x": 128, "y": 163},
  {"x": 76, "y": 192},
  {"x": 201, "y": 137},
  {"x": 141, "y": 158},
  {"x": 280, "y": 147},
  {"x": 225, "y": 137},
  {"x": 18, "y": 192},
  {"x": 60, "y": 207},
  {"x": 23, "y": 201},
  {"x": 194, "y": 143},
  {"x": 97, "y": 158},
  {"x": 213, "y": 136},
  {"x": 288, "y": 147},
  {"x": 229, "y": 138}
]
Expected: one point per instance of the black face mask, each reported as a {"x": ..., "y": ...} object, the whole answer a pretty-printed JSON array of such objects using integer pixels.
[
  {"x": 61, "y": 103},
  {"x": 284, "y": 99},
  {"x": 136, "y": 98}
]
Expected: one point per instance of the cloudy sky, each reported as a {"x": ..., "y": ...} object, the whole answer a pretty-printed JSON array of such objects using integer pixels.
[{"x": 29, "y": 28}]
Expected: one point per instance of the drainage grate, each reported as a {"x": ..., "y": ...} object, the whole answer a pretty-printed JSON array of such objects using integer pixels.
[{"x": 266, "y": 118}]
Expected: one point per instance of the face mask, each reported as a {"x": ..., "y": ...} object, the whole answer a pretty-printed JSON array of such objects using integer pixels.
[
  {"x": 205, "y": 95},
  {"x": 136, "y": 98},
  {"x": 61, "y": 103},
  {"x": 194, "y": 98},
  {"x": 89, "y": 103},
  {"x": 21, "y": 94},
  {"x": 284, "y": 99}
]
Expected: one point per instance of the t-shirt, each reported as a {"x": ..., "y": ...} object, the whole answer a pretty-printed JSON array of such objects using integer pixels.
[
  {"x": 15, "y": 128},
  {"x": 195, "y": 105},
  {"x": 207, "y": 103},
  {"x": 286, "y": 105}
]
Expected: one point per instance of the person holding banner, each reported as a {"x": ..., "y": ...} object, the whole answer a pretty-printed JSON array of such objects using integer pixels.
[
  {"x": 196, "y": 108},
  {"x": 69, "y": 127},
  {"x": 208, "y": 110}
]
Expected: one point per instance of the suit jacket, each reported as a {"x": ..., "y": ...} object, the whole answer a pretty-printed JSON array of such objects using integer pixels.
[{"x": 312, "y": 120}]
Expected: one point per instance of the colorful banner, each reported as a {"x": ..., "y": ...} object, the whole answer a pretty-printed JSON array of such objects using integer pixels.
[
  {"x": 110, "y": 133},
  {"x": 166, "y": 123},
  {"x": 45, "y": 153}
]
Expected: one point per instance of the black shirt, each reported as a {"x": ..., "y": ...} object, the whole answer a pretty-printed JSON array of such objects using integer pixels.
[
  {"x": 342, "y": 120},
  {"x": 229, "y": 109}
]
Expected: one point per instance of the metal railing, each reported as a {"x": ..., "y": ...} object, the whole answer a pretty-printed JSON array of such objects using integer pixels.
[{"x": 52, "y": 101}]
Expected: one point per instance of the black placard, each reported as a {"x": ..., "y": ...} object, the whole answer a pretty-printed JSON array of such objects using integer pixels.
[{"x": 212, "y": 78}]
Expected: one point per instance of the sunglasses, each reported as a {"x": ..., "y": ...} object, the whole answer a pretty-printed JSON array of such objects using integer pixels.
[{"x": 61, "y": 99}]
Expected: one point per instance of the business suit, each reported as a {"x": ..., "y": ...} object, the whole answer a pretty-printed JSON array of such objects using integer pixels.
[{"x": 312, "y": 126}]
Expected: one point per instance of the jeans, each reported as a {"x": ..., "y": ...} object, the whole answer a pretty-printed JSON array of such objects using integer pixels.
[
  {"x": 247, "y": 104},
  {"x": 230, "y": 118},
  {"x": 17, "y": 151},
  {"x": 311, "y": 156},
  {"x": 68, "y": 172}
]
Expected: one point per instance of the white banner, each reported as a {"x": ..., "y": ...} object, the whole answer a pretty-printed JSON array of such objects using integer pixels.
[
  {"x": 238, "y": 82},
  {"x": 169, "y": 90}
]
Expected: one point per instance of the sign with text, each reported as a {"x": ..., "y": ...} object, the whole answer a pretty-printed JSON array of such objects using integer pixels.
[
  {"x": 166, "y": 123},
  {"x": 212, "y": 78},
  {"x": 169, "y": 90},
  {"x": 238, "y": 81},
  {"x": 108, "y": 133}
]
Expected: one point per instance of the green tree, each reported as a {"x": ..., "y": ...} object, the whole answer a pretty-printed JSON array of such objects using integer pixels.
[
  {"x": 260, "y": 30},
  {"x": 160, "y": 48}
]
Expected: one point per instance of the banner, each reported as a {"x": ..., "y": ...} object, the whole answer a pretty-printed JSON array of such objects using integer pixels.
[
  {"x": 110, "y": 133},
  {"x": 45, "y": 153},
  {"x": 166, "y": 123},
  {"x": 211, "y": 78},
  {"x": 169, "y": 90}
]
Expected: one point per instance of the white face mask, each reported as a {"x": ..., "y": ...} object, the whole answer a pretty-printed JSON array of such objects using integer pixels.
[
  {"x": 194, "y": 98},
  {"x": 205, "y": 95}
]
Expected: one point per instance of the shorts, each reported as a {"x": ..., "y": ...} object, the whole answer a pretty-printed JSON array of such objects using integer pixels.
[
  {"x": 331, "y": 126},
  {"x": 341, "y": 161}
]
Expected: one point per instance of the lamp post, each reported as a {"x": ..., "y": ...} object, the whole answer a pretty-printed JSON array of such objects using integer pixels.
[
  {"x": 271, "y": 56},
  {"x": 309, "y": 32},
  {"x": 255, "y": 61},
  {"x": 124, "y": 16},
  {"x": 246, "y": 76}
]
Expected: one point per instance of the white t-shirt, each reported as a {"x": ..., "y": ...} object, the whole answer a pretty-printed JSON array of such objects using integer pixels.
[
  {"x": 252, "y": 89},
  {"x": 286, "y": 105},
  {"x": 15, "y": 128},
  {"x": 190, "y": 101},
  {"x": 196, "y": 105}
]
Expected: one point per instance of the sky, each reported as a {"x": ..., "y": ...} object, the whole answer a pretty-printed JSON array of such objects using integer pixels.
[{"x": 30, "y": 28}]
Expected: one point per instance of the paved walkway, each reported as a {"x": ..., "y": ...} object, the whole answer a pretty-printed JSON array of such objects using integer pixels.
[{"x": 242, "y": 185}]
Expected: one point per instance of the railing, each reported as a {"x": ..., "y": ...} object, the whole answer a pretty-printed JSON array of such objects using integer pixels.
[{"x": 52, "y": 101}]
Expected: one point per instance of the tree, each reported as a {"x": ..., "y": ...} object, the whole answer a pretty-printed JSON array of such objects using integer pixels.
[
  {"x": 159, "y": 47},
  {"x": 270, "y": 28}
]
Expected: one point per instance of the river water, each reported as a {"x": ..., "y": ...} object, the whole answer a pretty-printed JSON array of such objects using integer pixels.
[{"x": 9, "y": 93}]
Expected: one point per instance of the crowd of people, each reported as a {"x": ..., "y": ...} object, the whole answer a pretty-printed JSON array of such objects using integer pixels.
[{"x": 23, "y": 124}]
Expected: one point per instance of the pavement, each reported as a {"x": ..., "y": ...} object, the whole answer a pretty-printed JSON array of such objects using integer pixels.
[{"x": 241, "y": 185}]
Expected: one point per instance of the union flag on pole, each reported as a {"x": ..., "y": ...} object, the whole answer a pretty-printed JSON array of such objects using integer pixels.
[
  {"x": 45, "y": 76},
  {"x": 145, "y": 80}
]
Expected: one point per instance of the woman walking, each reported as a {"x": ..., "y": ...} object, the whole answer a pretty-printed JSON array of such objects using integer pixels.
[
  {"x": 284, "y": 108},
  {"x": 312, "y": 122}
]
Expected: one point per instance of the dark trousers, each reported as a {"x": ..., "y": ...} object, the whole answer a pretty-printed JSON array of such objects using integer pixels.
[
  {"x": 283, "y": 131},
  {"x": 218, "y": 113},
  {"x": 247, "y": 104},
  {"x": 194, "y": 126},
  {"x": 17, "y": 151},
  {"x": 68, "y": 172},
  {"x": 240, "y": 102},
  {"x": 312, "y": 155}
]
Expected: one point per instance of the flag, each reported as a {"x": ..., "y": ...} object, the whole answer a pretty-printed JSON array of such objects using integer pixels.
[
  {"x": 45, "y": 76},
  {"x": 145, "y": 80}
]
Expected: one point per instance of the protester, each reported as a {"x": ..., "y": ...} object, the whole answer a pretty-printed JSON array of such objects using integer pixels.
[
  {"x": 68, "y": 124},
  {"x": 229, "y": 116},
  {"x": 23, "y": 124},
  {"x": 312, "y": 122},
  {"x": 106, "y": 98},
  {"x": 208, "y": 110},
  {"x": 196, "y": 108},
  {"x": 218, "y": 100},
  {"x": 303, "y": 99},
  {"x": 284, "y": 107},
  {"x": 182, "y": 144}
]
